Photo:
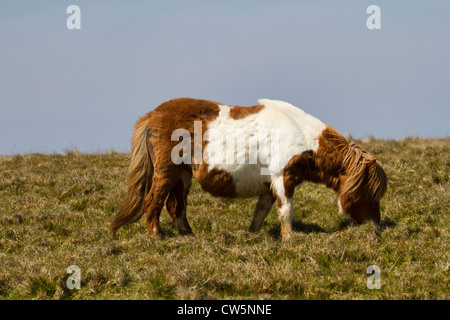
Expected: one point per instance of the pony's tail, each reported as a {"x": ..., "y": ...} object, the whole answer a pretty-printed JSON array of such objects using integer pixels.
[{"x": 140, "y": 180}]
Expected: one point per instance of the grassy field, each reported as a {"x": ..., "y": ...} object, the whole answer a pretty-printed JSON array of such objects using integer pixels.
[{"x": 55, "y": 210}]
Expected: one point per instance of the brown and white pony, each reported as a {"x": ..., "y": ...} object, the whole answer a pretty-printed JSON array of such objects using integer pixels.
[{"x": 304, "y": 149}]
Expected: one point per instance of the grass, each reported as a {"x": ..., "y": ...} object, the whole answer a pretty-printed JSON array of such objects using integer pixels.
[{"x": 55, "y": 210}]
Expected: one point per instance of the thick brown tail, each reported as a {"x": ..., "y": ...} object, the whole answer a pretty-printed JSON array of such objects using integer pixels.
[{"x": 140, "y": 180}]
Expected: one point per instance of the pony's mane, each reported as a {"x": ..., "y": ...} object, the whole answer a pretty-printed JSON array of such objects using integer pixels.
[{"x": 363, "y": 170}]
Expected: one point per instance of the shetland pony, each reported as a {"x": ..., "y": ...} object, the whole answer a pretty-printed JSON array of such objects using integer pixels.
[{"x": 306, "y": 150}]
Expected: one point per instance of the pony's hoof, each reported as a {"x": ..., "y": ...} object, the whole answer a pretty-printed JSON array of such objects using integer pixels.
[
  {"x": 186, "y": 233},
  {"x": 253, "y": 229},
  {"x": 155, "y": 234}
]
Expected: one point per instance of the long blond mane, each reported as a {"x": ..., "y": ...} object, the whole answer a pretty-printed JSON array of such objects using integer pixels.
[{"x": 364, "y": 172}]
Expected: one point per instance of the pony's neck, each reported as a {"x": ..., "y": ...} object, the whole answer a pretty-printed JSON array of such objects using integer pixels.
[
  {"x": 329, "y": 158},
  {"x": 323, "y": 165}
]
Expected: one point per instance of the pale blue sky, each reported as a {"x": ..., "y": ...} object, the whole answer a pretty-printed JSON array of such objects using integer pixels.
[{"x": 63, "y": 89}]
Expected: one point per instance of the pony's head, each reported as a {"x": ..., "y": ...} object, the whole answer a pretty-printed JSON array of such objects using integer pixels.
[{"x": 363, "y": 183}]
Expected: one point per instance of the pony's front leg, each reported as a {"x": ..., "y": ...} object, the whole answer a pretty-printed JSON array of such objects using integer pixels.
[
  {"x": 285, "y": 215},
  {"x": 263, "y": 206},
  {"x": 285, "y": 207}
]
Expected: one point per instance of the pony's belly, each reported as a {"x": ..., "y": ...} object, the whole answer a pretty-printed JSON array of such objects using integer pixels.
[
  {"x": 247, "y": 179},
  {"x": 232, "y": 181}
]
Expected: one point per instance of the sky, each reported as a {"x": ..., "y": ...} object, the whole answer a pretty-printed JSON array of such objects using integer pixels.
[{"x": 63, "y": 89}]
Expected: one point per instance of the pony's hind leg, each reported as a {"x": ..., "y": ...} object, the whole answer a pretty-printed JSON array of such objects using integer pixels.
[
  {"x": 154, "y": 201},
  {"x": 263, "y": 206},
  {"x": 177, "y": 202}
]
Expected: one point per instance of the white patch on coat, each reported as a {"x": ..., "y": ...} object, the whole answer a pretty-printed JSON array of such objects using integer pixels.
[
  {"x": 297, "y": 130},
  {"x": 341, "y": 211}
]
